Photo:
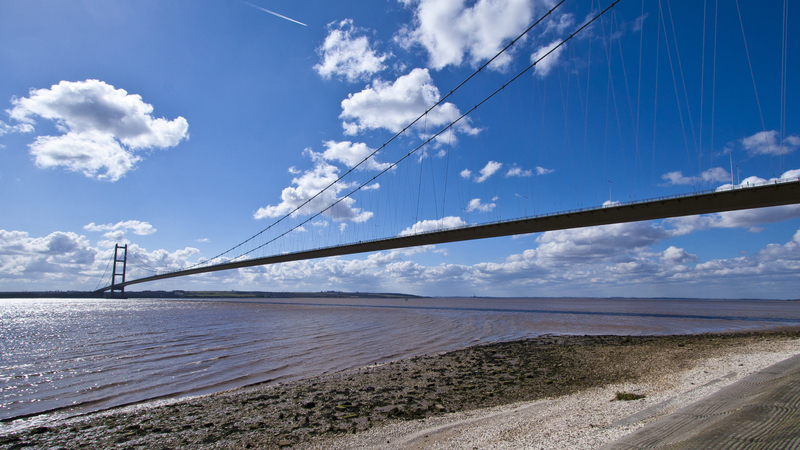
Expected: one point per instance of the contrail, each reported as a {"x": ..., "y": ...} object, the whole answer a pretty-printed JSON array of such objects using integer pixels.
[{"x": 272, "y": 12}]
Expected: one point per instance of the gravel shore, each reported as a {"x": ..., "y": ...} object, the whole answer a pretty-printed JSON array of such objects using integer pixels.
[{"x": 547, "y": 392}]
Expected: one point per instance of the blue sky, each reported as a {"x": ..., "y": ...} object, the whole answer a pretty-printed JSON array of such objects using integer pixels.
[{"x": 183, "y": 128}]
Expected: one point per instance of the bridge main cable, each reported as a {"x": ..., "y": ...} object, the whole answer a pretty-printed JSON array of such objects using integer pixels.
[
  {"x": 776, "y": 194},
  {"x": 422, "y": 145},
  {"x": 399, "y": 133}
]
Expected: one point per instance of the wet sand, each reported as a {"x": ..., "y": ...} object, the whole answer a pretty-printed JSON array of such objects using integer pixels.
[{"x": 405, "y": 401}]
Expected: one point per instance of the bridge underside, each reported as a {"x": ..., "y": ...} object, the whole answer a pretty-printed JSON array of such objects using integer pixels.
[{"x": 706, "y": 203}]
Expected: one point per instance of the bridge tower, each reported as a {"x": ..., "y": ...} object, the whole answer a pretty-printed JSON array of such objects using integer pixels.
[{"x": 120, "y": 256}]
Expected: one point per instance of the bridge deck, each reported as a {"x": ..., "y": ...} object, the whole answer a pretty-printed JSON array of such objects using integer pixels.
[{"x": 705, "y": 203}]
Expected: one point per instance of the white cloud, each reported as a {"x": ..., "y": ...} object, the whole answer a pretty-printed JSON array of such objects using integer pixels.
[
  {"x": 203, "y": 240},
  {"x": 766, "y": 143},
  {"x": 599, "y": 261},
  {"x": 392, "y": 106},
  {"x": 137, "y": 227},
  {"x": 564, "y": 23},
  {"x": 753, "y": 181},
  {"x": 713, "y": 175},
  {"x": 348, "y": 55},
  {"x": 599, "y": 242},
  {"x": 351, "y": 154},
  {"x": 161, "y": 260},
  {"x": 750, "y": 219},
  {"x": 115, "y": 233},
  {"x": 425, "y": 226},
  {"x": 771, "y": 265},
  {"x": 476, "y": 205},
  {"x": 791, "y": 175},
  {"x": 97, "y": 155},
  {"x": 610, "y": 203},
  {"x": 550, "y": 61},
  {"x": 674, "y": 255},
  {"x": 518, "y": 172},
  {"x": 454, "y": 30},
  {"x": 19, "y": 128},
  {"x": 54, "y": 256},
  {"x": 614, "y": 259},
  {"x": 306, "y": 186},
  {"x": 103, "y": 127},
  {"x": 543, "y": 171},
  {"x": 466, "y": 173},
  {"x": 66, "y": 260},
  {"x": 488, "y": 170}
]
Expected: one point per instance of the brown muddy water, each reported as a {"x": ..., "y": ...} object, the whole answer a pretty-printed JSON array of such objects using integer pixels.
[{"x": 70, "y": 356}]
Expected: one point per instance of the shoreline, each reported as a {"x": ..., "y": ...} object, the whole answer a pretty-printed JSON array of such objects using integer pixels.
[{"x": 359, "y": 404}]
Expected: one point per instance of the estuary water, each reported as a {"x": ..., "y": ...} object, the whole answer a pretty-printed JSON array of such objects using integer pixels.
[{"x": 70, "y": 356}]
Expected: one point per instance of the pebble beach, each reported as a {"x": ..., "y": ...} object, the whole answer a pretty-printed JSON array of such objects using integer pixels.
[{"x": 546, "y": 392}]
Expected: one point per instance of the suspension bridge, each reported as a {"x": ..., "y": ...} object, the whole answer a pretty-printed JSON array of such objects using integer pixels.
[{"x": 325, "y": 202}]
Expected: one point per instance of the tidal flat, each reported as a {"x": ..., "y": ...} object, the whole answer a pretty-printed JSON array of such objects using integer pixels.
[{"x": 312, "y": 410}]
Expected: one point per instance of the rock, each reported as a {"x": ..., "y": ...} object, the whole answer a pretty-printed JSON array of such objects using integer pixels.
[
  {"x": 309, "y": 405},
  {"x": 284, "y": 443}
]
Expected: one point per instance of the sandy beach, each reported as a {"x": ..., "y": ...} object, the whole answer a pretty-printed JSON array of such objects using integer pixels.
[{"x": 547, "y": 392}]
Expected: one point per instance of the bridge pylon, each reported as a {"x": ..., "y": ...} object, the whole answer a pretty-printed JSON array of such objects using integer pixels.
[{"x": 120, "y": 256}]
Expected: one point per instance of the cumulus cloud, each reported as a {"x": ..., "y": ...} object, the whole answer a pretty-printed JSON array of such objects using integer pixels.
[
  {"x": 306, "y": 186},
  {"x": 466, "y": 173},
  {"x": 476, "y": 205},
  {"x": 425, "y": 226},
  {"x": 350, "y": 154},
  {"x": 515, "y": 171},
  {"x": 713, "y": 175},
  {"x": 591, "y": 257},
  {"x": 767, "y": 143},
  {"x": 56, "y": 256},
  {"x": 392, "y": 106},
  {"x": 616, "y": 258},
  {"x": 599, "y": 242},
  {"x": 560, "y": 26},
  {"x": 674, "y": 255},
  {"x": 789, "y": 175},
  {"x": 599, "y": 261},
  {"x": 115, "y": 233},
  {"x": 67, "y": 260},
  {"x": 548, "y": 62},
  {"x": 103, "y": 128},
  {"x": 137, "y": 227},
  {"x": 774, "y": 263},
  {"x": 518, "y": 172},
  {"x": 347, "y": 54},
  {"x": 488, "y": 170},
  {"x": 454, "y": 31},
  {"x": 19, "y": 128},
  {"x": 750, "y": 219}
]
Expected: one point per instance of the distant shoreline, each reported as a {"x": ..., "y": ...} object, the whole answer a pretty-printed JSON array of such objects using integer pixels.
[{"x": 179, "y": 294}]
